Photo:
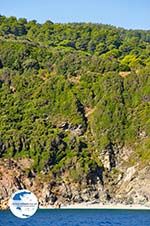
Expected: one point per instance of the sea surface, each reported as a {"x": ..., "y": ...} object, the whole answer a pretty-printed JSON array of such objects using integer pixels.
[{"x": 77, "y": 217}]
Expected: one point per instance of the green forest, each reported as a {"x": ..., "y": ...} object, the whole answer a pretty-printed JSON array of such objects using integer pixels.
[{"x": 70, "y": 91}]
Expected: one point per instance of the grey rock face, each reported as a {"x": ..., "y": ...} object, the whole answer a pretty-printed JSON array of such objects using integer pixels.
[{"x": 119, "y": 182}]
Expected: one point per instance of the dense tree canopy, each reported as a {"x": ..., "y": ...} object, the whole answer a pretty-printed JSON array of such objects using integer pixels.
[{"x": 68, "y": 91}]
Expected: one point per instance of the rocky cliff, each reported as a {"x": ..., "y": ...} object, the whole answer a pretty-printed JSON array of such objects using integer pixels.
[
  {"x": 123, "y": 183},
  {"x": 74, "y": 112}
]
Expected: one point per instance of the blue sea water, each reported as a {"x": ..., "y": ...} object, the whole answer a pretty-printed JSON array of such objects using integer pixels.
[{"x": 79, "y": 218}]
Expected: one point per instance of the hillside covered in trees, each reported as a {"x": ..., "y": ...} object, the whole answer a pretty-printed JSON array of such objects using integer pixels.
[{"x": 75, "y": 100}]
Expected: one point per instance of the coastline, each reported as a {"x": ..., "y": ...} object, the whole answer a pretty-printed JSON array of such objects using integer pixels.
[
  {"x": 99, "y": 206},
  {"x": 92, "y": 206}
]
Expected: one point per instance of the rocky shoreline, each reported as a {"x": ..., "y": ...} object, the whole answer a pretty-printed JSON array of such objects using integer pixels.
[{"x": 120, "y": 189}]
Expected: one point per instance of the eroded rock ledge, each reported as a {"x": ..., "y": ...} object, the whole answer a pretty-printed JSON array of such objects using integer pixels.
[{"x": 120, "y": 185}]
